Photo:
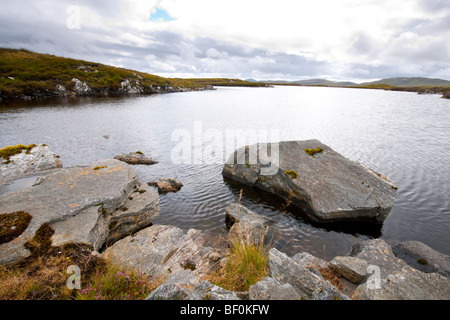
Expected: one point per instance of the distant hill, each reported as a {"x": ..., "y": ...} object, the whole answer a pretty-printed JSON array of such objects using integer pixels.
[
  {"x": 411, "y": 82},
  {"x": 28, "y": 75}
]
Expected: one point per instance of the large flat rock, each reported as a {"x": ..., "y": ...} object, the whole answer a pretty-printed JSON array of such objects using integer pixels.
[
  {"x": 162, "y": 250},
  {"x": 80, "y": 203},
  {"x": 326, "y": 185}
]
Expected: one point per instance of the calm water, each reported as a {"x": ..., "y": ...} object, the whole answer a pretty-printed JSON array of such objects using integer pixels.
[{"x": 403, "y": 135}]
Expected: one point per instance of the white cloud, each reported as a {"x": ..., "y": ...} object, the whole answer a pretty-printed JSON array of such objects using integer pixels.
[{"x": 297, "y": 39}]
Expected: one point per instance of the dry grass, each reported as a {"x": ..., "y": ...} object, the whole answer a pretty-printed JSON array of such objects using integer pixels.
[{"x": 246, "y": 263}]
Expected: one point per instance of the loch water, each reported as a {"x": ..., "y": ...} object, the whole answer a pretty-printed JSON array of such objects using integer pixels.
[{"x": 404, "y": 135}]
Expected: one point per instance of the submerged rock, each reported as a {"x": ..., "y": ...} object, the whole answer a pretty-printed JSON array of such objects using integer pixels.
[
  {"x": 35, "y": 159},
  {"x": 83, "y": 204},
  {"x": 312, "y": 176},
  {"x": 135, "y": 158}
]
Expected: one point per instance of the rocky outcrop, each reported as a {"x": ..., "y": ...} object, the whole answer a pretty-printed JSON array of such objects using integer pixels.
[
  {"x": 37, "y": 159},
  {"x": 135, "y": 158},
  {"x": 90, "y": 204},
  {"x": 166, "y": 185},
  {"x": 313, "y": 177}
]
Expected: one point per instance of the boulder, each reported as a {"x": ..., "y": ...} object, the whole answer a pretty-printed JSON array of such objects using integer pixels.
[
  {"x": 246, "y": 225},
  {"x": 310, "y": 175},
  {"x": 166, "y": 185},
  {"x": 271, "y": 289},
  {"x": 307, "y": 284},
  {"x": 37, "y": 159},
  {"x": 162, "y": 250},
  {"x": 82, "y": 204},
  {"x": 135, "y": 158},
  {"x": 421, "y": 257}
]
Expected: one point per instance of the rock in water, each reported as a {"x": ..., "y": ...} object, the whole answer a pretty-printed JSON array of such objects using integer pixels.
[
  {"x": 310, "y": 175},
  {"x": 135, "y": 158},
  {"x": 90, "y": 204},
  {"x": 166, "y": 185}
]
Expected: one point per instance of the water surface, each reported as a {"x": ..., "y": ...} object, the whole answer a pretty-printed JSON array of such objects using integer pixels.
[{"x": 401, "y": 134}]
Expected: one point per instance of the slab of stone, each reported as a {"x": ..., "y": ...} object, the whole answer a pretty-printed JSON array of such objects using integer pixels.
[
  {"x": 161, "y": 250},
  {"x": 77, "y": 202},
  {"x": 138, "y": 211},
  {"x": 270, "y": 289},
  {"x": 420, "y": 256},
  {"x": 351, "y": 268},
  {"x": 184, "y": 285},
  {"x": 325, "y": 185},
  {"x": 308, "y": 285},
  {"x": 391, "y": 278}
]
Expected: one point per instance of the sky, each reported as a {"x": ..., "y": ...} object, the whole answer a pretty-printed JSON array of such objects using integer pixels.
[{"x": 354, "y": 40}]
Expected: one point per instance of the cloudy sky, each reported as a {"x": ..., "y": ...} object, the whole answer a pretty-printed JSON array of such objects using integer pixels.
[{"x": 354, "y": 40}]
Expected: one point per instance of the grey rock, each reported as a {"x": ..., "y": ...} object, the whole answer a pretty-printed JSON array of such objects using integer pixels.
[
  {"x": 307, "y": 260},
  {"x": 246, "y": 225},
  {"x": 406, "y": 284},
  {"x": 162, "y": 250},
  {"x": 138, "y": 211},
  {"x": 184, "y": 285},
  {"x": 38, "y": 159},
  {"x": 420, "y": 256},
  {"x": 78, "y": 203},
  {"x": 178, "y": 286},
  {"x": 327, "y": 186},
  {"x": 391, "y": 278},
  {"x": 351, "y": 268},
  {"x": 166, "y": 185},
  {"x": 308, "y": 285},
  {"x": 81, "y": 88},
  {"x": 378, "y": 253},
  {"x": 135, "y": 158},
  {"x": 271, "y": 289},
  {"x": 128, "y": 88}
]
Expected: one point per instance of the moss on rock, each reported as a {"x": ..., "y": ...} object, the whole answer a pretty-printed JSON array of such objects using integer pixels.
[
  {"x": 13, "y": 225},
  {"x": 10, "y": 151},
  {"x": 312, "y": 152}
]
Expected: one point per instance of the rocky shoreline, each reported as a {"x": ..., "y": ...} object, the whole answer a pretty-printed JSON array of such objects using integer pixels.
[
  {"x": 105, "y": 206},
  {"x": 82, "y": 89}
]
